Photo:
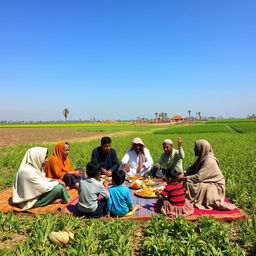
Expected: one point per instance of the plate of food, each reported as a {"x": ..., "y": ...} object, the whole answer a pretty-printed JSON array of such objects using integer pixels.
[
  {"x": 149, "y": 192},
  {"x": 150, "y": 182},
  {"x": 136, "y": 184},
  {"x": 134, "y": 177}
]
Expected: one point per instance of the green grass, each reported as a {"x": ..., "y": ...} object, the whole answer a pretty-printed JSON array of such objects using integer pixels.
[
  {"x": 191, "y": 129},
  {"x": 244, "y": 120},
  {"x": 236, "y": 153},
  {"x": 119, "y": 128},
  {"x": 244, "y": 127}
]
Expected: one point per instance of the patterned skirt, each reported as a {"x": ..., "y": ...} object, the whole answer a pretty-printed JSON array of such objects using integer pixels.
[{"x": 168, "y": 209}]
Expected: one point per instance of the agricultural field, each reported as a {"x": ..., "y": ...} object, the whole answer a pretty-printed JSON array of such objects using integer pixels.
[
  {"x": 243, "y": 127},
  {"x": 196, "y": 128},
  {"x": 11, "y": 135},
  {"x": 66, "y": 124},
  {"x": 236, "y": 152}
]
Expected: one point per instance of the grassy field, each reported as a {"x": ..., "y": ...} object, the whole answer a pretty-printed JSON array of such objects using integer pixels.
[
  {"x": 119, "y": 128},
  {"x": 236, "y": 152},
  {"x": 198, "y": 128}
]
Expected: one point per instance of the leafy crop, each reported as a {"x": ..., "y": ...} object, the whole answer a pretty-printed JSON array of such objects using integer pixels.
[
  {"x": 120, "y": 128},
  {"x": 179, "y": 237},
  {"x": 244, "y": 127},
  {"x": 226, "y": 121},
  {"x": 92, "y": 237}
]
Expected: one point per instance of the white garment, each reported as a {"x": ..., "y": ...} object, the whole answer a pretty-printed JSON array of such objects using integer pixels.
[
  {"x": 132, "y": 158},
  {"x": 30, "y": 181}
]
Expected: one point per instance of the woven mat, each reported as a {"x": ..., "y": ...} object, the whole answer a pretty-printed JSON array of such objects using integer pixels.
[
  {"x": 6, "y": 204},
  {"x": 146, "y": 211}
]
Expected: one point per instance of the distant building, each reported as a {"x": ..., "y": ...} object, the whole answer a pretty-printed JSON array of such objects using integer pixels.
[
  {"x": 177, "y": 119},
  {"x": 252, "y": 116}
]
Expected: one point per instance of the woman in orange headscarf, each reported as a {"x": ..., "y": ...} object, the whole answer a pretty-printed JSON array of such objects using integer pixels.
[{"x": 59, "y": 166}]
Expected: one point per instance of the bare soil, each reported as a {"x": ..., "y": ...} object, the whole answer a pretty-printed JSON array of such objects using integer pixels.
[
  {"x": 138, "y": 238},
  {"x": 19, "y": 136},
  {"x": 12, "y": 242}
]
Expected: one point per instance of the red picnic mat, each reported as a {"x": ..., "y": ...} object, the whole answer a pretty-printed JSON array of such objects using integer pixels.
[
  {"x": 6, "y": 204},
  {"x": 145, "y": 213},
  {"x": 147, "y": 205}
]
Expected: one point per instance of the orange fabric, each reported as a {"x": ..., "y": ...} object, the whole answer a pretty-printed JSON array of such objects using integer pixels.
[
  {"x": 57, "y": 165},
  {"x": 6, "y": 204}
]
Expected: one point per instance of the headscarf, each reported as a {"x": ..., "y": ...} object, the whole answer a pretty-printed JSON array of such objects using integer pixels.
[
  {"x": 141, "y": 154},
  {"x": 35, "y": 157},
  {"x": 30, "y": 182},
  {"x": 205, "y": 149},
  {"x": 58, "y": 165},
  {"x": 137, "y": 141}
]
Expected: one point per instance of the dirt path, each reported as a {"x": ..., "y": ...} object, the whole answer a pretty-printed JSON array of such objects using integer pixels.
[
  {"x": 138, "y": 238},
  {"x": 19, "y": 136}
]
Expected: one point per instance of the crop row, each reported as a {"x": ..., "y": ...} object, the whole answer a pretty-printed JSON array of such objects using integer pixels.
[
  {"x": 98, "y": 237},
  {"x": 91, "y": 237},
  {"x": 244, "y": 120},
  {"x": 244, "y": 127},
  {"x": 191, "y": 129},
  {"x": 211, "y": 127}
]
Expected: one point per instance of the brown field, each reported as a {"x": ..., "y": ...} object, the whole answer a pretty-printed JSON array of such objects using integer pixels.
[{"x": 18, "y": 136}]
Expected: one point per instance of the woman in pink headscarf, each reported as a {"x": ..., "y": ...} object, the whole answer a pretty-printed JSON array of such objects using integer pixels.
[
  {"x": 204, "y": 180},
  {"x": 137, "y": 160}
]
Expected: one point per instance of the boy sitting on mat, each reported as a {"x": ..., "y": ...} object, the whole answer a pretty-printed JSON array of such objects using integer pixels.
[
  {"x": 120, "y": 200},
  {"x": 90, "y": 190}
]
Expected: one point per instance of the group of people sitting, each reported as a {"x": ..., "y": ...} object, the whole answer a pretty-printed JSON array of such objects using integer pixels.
[{"x": 40, "y": 181}]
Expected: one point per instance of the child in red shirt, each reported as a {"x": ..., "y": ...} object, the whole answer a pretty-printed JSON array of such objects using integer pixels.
[{"x": 172, "y": 199}]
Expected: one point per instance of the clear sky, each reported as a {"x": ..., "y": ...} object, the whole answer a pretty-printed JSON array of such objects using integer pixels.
[{"x": 123, "y": 59}]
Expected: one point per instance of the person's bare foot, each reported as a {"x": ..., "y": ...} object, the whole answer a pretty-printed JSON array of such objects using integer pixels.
[
  {"x": 58, "y": 201},
  {"x": 76, "y": 186}
]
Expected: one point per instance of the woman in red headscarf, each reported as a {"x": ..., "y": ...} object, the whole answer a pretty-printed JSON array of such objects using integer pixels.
[{"x": 59, "y": 166}]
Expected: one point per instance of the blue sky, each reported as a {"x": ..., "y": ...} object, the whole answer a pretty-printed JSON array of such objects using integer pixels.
[{"x": 123, "y": 59}]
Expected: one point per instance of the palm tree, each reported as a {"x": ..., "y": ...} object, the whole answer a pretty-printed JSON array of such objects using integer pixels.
[
  {"x": 162, "y": 116},
  {"x": 156, "y": 115},
  {"x": 65, "y": 113},
  {"x": 189, "y": 113}
]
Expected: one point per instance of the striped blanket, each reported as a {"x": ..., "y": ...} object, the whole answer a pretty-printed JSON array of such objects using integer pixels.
[{"x": 145, "y": 213}]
